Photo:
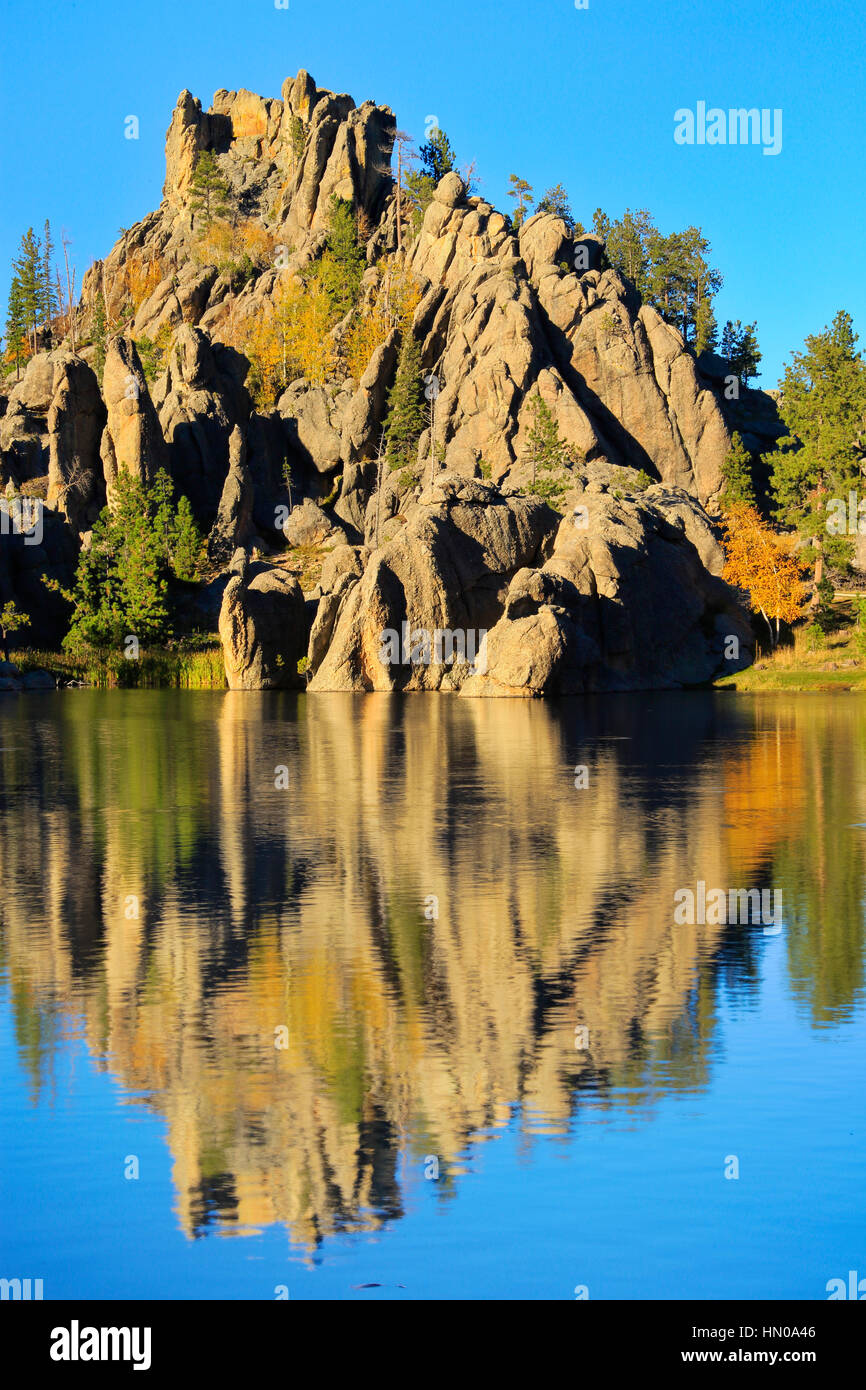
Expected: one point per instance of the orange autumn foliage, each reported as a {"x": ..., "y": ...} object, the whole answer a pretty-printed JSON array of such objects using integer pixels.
[
  {"x": 759, "y": 561},
  {"x": 141, "y": 278},
  {"x": 392, "y": 304}
]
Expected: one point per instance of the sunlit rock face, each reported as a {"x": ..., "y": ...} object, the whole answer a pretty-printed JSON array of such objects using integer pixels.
[
  {"x": 501, "y": 317},
  {"x": 618, "y": 595}
]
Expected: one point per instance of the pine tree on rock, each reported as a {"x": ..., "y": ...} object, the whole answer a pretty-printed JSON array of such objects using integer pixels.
[
  {"x": 555, "y": 201},
  {"x": 27, "y": 267},
  {"x": 16, "y": 327},
  {"x": 209, "y": 190},
  {"x": 50, "y": 302},
  {"x": 437, "y": 156},
  {"x": 406, "y": 418},
  {"x": 521, "y": 192}
]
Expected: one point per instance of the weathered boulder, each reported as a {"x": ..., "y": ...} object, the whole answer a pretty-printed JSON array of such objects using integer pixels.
[
  {"x": 448, "y": 570},
  {"x": 314, "y": 421},
  {"x": 200, "y": 402},
  {"x": 263, "y": 629},
  {"x": 366, "y": 411},
  {"x": 623, "y": 603},
  {"x": 76, "y": 419},
  {"x": 307, "y": 524},
  {"x": 234, "y": 515},
  {"x": 23, "y": 441},
  {"x": 340, "y": 573},
  {"x": 132, "y": 440},
  {"x": 36, "y": 387}
]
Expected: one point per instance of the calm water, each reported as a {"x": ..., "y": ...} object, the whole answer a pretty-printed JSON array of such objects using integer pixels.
[{"x": 282, "y": 956}]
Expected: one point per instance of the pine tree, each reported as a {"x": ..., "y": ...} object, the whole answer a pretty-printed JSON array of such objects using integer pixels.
[
  {"x": 209, "y": 190},
  {"x": 555, "y": 200},
  {"x": 405, "y": 421},
  {"x": 297, "y": 140},
  {"x": 823, "y": 405},
  {"x": 123, "y": 583},
  {"x": 16, "y": 326},
  {"x": 437, "y": 156},
  {"x": 627, "y": 242},
  {"x": 186, "y": 543},
  {"x": 601, "y": 225},
  {"x": 50, "y": 301},
  {"x": 343, "y": 263},
  {"x": 11, "y": 620},
  {"x": 739, "y": 346},
  {"x": 706, "y": 327},
  {"x": 521, "y": 192},
  {"x": 545, "y": 448},
  {"x": 28, "y": 269},
  {"x": 736, "y": 472}
]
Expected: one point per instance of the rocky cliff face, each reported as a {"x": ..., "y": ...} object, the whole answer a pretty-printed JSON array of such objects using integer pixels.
[{"x": 502, "y": 315}]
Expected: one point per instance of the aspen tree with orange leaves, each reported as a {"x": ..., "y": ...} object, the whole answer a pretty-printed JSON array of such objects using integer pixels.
[{"x": 759, "y": 561}]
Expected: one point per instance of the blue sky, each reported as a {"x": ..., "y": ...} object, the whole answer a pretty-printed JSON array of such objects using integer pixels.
[{"x": 555, "y": 94}]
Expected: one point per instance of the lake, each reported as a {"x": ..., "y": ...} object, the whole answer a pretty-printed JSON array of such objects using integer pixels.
[{"x": 364, "y": 997}]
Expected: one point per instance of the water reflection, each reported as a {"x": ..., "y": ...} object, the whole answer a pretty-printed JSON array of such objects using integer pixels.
[{"x": 415, "y": 896}]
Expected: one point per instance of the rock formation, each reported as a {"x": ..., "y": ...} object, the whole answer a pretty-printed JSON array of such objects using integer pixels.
[
  {"x": 263, "y": 629},
  {"x": 503, "y": 314},
  {"x": 613, "y": 596}
]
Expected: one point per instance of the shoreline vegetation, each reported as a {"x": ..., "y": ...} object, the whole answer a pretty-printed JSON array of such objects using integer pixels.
[
  {"x": 811, "y": 661},
  {"x": 157, "y": 668}
]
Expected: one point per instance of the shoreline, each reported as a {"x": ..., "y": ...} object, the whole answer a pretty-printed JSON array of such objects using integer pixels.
[{"x": 203, "y": 670}]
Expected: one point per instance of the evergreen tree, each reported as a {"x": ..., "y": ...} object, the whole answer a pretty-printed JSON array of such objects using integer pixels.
[
  {"x": 209, "y": 190},
  {"x": 436, "y": 160},
  {"x": 420, "y": 188},
  {"x": 601, "y": 225},
  {"x": 555, "y": 200},
  {"x": 186, "y": 543},
  {"x": 545, "y": 447},
  {"x": 627, "y": 242},
  {"x": 823, "y": 405},
  {"x": 123, "y": 583},
  {"x": 28, "y": 269},
  {"x": 11, "y": 620},
  {"x": 706, "y": 328},
  {"x": 16, "y": 326},
  {"x": 736, "y": 471},
  {"x": 50, "y": 303},
  {"x": 437, "y": 156},
  {"x": 406, "y": 418},
  {"x": 343, "y": 263},
  {"x": 521, "y": 192},
  {"x": 297, "y": 139},
  {"x": 739, "y": 346}
]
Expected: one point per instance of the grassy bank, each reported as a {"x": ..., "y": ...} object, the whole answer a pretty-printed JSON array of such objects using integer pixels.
[
  {"x": 812, "y": 661},
  {"x": 198, "y": 668}
]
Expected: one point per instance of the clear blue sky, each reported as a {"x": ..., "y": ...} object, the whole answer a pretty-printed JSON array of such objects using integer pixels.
[{"x": 555, "y": 94}]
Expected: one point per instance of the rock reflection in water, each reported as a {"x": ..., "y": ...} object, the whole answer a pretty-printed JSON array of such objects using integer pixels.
[{"x": 413, "y": 896}]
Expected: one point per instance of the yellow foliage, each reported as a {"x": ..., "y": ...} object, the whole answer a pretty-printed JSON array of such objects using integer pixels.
[
  {"x": 255, "y": 241},
  {"x": 141, "y": 278},
  {"x": 758, "y": 560},
  {"x": 392, "y": 304},
  {"x": 367, "y": 333},
  {"x": 224, "y": 244},
  {"x": 291, "y": 338},
  {"x": 214, "y": 246}
]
